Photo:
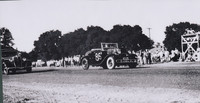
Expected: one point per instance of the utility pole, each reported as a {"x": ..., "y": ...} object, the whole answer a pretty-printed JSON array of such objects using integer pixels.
[{"x": 149, "y": 33}]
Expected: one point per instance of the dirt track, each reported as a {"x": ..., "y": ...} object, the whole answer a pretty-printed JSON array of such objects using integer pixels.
[{"x": 160, "y": 83}]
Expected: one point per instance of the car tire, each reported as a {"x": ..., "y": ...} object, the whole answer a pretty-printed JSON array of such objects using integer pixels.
[
  {"x": 85, "y": 64},
  {"x": 110, "y": 62}
]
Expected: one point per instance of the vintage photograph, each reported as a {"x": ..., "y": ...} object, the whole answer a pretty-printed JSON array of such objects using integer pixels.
[{"x": 100, "y": 51}]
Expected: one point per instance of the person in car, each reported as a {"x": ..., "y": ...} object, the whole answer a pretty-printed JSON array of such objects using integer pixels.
[{"x": 123, "y": 50}]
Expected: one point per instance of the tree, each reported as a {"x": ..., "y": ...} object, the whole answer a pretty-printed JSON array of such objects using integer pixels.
[
  {"x": 130, "y": 37},
  {"x": 173, "y": 34},
  {"x": 33, "y": 55},
  {"x": 47, "y": 45},
  {"x": 80, "y": 41},
  {"x": 6, "y": 38},
  {"x": 95, "y": 35},
  {"x": 73, "y": 43}
]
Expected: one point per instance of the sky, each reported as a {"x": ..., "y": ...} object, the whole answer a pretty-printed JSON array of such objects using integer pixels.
[{"x": 28, "y": 19}]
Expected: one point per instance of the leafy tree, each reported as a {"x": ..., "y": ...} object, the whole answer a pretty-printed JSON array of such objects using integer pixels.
[
  {"x": 130, "y": 37},
  {"x": 80, "y": 41},
  {"x": 173, "y": 34},
  {"x": 6, "y": 38},
  {"x": 33, "y": 55},
  {"x": 47, "y": 45},
  {"x": 73, "y": 43},
  {"x": 95, "y": 35}
]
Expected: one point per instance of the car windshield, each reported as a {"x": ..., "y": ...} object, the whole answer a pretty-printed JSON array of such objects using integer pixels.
[{"x": 106, "y": 46}]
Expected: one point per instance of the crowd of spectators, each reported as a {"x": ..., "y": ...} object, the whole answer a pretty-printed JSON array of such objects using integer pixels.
[
  {"x": 148, "y": 56},
  {"x": 72, "y": 60},
  {"x": 158, "y": 55},
  {"x": 161, "y": 55},
  {"x": 68, "y": 61}
]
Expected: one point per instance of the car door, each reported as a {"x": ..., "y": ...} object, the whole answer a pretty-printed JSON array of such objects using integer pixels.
[{"x": 96, "y": 57}]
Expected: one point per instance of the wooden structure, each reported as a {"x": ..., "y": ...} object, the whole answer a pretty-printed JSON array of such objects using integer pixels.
[{"x": 190, "y": 46}]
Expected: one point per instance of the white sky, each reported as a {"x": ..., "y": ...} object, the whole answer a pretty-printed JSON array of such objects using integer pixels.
[{"x": 27, "y": 19}]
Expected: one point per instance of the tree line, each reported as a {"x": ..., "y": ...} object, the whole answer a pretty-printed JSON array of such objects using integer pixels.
[{"x": 55, "y": 45}]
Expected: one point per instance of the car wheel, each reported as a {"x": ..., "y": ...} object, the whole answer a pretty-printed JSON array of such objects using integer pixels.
[
  {"x": 29, "y": 69},
  {"x": 110, "y": 63},
  {"x": 85, "y": 64}
]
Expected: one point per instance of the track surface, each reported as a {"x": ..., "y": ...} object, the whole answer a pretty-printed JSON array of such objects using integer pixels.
[{"x": 157, "y": 83}]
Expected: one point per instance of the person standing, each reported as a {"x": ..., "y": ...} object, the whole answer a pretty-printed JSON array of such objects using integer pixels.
[
  {"x": 144, "y": 57},
  {"x": 141, "y": 55},
  {"x": 148, "y": 57},
  {"x": 167, "y": 58}
]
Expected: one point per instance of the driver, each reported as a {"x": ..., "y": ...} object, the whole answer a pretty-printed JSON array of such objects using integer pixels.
[{"x": 123, "y": 49}]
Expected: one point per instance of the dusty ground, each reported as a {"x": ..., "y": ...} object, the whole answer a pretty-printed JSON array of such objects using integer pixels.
[{"x": 160, "y": 83}]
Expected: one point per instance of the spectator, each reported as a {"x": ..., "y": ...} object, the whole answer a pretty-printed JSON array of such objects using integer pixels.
[
  {"x": 144, "y": 57},
  {"x": 148, "y": 57},
  {"x": 141, "y": 57},
  {"x": 167, "y": 58},
  {"x": 174, "y": 56},
  {"x": 161, "y": 56}
]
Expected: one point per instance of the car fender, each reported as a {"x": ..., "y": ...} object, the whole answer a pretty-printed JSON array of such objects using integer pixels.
[
  {"x": 83, "y": 58},
  {"x": 105, "y": 58}
]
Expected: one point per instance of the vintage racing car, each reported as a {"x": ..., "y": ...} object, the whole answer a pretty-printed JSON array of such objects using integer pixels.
[
  {"x": 13, "y": 60},
  {"x": 108, "y": 56}
]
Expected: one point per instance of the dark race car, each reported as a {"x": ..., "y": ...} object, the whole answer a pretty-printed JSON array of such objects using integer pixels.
[
  {"x": 108, "y": 56},
  {"x": 13, "y": 60}
]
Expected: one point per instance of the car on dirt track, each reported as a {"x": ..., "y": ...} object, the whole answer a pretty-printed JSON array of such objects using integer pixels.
[
  {"x": 13, "y": 60},
  {"x": 108, "y": 56}
]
